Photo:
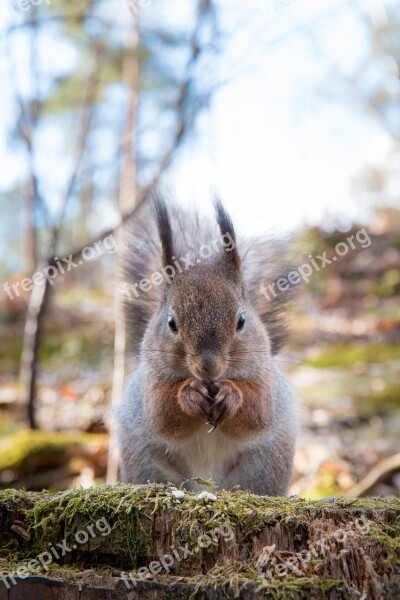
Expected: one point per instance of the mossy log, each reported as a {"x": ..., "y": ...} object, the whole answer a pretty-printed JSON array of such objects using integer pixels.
[
  {"x": 134, "y": 542},
  {"x": 38, "y": 459}
]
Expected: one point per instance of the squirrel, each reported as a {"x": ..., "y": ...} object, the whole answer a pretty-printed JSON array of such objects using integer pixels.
[{"x": 206, "y": 399}]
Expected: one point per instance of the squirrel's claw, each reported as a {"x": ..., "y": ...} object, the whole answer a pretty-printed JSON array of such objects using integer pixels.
[
  {"x": 205, "y": 413},
  {"x": 221, "y": 415},
  {"x": 208, "y": 397},
  {"x": 212, "y": 420},
  {"x": 200, "y": 388},
  {"x": 212, "y": 423}
]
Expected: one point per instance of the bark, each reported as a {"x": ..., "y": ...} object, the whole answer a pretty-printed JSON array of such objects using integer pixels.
[{"x": 238, "y": 546}]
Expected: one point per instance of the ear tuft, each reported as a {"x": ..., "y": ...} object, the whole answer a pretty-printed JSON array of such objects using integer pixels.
[
  {"x": 232, "y": 258},
  {"x": 164, "y": 228}
]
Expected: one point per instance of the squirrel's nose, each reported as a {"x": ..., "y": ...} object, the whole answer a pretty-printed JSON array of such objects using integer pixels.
[{"x": 208, "y": 366}]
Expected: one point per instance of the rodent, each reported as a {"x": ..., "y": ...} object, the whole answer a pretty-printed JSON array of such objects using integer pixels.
[{"x": 206, "y": 398}]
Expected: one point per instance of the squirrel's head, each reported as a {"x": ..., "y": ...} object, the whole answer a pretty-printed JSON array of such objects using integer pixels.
[{"x": 203, "y": 320}]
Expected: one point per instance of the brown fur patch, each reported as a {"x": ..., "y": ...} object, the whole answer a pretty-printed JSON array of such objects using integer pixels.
[
  {"x": 168, "y": 418},
  {"x": 254, "y": 414}
]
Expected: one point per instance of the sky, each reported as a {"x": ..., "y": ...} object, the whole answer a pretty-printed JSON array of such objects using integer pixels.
[
  {"x": 283, "y": 139},
  {"x": 281, "y": 152}
]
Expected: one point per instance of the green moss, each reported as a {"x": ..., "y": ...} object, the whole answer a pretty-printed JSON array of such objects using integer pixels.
[
  {"x": 75, "y": 345},
  {"x": 389, "y": 537},
  {"x": 326, "y": 486},
  {"x": 346, "y": 355},
  {"x": 23, "y": 447},
  {"x": 369, "y": 391},
  {"x": 10, "y": 349},
  {"x": 145, "y": 521},
  {"x": 236, "y": 581},
  {"x": 383, "y": 402},
  {"x": 389, "y": 283},
  {"x": 7, "y": 424}
]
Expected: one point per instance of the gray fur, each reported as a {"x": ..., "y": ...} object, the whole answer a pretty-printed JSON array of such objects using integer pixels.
[
  {"x": 265, "y": 465},
  {"x": 263, "y": 261},
  {"x": 205, "y": 299}
]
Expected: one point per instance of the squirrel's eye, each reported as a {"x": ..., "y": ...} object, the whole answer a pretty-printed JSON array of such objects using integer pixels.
[
  {"x": 241, "y": 322},
  {"x": 172, "y": 324}
]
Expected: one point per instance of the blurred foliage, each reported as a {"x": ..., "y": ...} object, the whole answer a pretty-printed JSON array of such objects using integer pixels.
[
  {"x": 85, "y": 78},
  {"x": 344, "y": 361},
  {"x": 344, "y": 356},
  {"x": 348, "y": 355}
]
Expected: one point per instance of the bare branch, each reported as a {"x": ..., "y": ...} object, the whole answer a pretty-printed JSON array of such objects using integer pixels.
[
  {"x": 204, "y": 8},
  {"x": 40, "y": 295},
  {"x": 86, "y": 117},
  {"x": 384, "y": 469}
]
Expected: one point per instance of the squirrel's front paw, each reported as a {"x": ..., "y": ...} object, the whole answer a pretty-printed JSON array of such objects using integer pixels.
[
  {"x": 227, "y": 400},
  {"x": 194, "y": 399}
]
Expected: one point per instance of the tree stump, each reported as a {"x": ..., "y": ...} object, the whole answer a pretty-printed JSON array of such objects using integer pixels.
[{"x": 131, "y": 542}]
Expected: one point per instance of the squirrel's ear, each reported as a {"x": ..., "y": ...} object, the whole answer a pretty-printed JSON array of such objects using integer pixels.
[
  {"x": 231, "y": 258},
  {"x": 164, "y": 229}
]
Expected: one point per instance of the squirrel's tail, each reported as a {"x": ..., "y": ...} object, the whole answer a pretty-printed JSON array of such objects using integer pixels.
[
  {"x": 142, "y": 274},
  {"x": 141, "y": 258},
  {"x": 264, "y": 262}
]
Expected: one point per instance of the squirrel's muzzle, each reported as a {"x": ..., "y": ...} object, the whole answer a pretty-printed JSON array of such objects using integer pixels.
[{"x": 208, "y": 366}]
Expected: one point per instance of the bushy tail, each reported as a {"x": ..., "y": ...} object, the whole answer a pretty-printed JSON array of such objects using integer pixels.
[{"x": 264, "y": 262}]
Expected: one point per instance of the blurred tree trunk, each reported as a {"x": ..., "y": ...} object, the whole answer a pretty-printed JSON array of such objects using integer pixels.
[
  {"x": 40, "y": 295},
  {"x": 30, "y": 254},
  {"x": 31, "y": 114},
  {"x": 36, "y": 310},
  {"x": 127, "y": 202},
  {"x": 28, "y": 122}
]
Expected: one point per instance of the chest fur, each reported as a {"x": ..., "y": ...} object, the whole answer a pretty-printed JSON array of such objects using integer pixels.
[{"x": 208, "y": 455}]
